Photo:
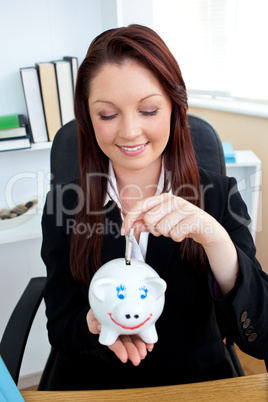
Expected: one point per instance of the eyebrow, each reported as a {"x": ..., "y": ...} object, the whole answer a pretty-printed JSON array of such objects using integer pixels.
[{"x": 141, "y": 100}]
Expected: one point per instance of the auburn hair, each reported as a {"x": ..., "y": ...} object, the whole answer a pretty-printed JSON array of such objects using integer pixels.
[{"x": 142, "y": 44}]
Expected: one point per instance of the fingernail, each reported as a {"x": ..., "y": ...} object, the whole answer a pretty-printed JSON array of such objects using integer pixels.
[
  {"x": 99, "y": 327},
  {"x": 123, "y": 231}
]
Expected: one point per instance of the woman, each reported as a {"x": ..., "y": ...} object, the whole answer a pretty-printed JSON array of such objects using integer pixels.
[{"x": 138, "y": 169}]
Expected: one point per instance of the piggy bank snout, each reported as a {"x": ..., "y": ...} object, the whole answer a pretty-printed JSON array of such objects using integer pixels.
[{"x": 129, "y": 314}]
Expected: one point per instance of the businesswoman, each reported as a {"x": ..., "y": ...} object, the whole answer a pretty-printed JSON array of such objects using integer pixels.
[{"x": 138, "y": 169}]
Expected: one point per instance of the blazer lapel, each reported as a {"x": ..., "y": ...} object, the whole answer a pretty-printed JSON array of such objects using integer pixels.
[
  {"x": 159, "y": 253},
  {"x": 113, "y": 243}
]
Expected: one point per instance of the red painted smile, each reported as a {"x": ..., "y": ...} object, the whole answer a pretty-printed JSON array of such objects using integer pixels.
[{"x": 137, "y": 326}]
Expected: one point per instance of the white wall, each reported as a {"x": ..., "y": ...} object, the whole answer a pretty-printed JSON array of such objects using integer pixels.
[
  {"x": 135, "y": 12},
  {"x": 109, "y": 14},
  {"x": 32, "y": 31},
  {"x": 42, "y": 30}
]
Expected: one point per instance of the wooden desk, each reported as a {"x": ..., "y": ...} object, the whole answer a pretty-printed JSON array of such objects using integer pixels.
[{"x": 251, "y": 388}]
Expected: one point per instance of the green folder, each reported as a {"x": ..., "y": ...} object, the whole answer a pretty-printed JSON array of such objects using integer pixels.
[{"x": 11, "y": 121}]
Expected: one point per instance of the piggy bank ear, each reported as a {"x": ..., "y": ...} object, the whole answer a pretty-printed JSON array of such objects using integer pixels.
[
  {"x": 157, "y": 286},
  {"x": 100, "y": 287}
]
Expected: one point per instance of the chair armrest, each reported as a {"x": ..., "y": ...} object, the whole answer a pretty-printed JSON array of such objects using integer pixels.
[{"x": 16, "y": 333}]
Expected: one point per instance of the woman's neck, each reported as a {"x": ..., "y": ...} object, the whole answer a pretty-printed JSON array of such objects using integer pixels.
[{"x": 137, "y": 184}]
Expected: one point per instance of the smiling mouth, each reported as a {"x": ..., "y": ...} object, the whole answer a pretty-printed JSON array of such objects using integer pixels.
[
  {"x": 133, "y": 148},
  {"x": 123, "y": 326}
]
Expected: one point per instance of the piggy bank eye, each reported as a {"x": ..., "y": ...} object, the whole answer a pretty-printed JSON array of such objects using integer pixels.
[
  {"x": 144, "y": 292},
  {"x": 121, "y": 292}
]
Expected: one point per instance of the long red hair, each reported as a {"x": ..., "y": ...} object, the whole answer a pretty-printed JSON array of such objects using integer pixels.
[{"x": 142, "y": 44}]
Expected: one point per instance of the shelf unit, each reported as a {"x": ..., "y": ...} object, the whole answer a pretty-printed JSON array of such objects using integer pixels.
[
  {"x": 31, "y": 229},
  {"x": 37, "y": 147},
  {"x": 247, "y": 171},
  {"x": 24, "y": 173}
]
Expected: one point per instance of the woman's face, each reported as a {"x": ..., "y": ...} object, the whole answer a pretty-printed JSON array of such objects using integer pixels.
[{"x": 130, "y": 113}]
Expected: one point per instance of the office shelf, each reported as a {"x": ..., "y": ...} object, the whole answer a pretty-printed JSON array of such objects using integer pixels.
[
  {"x": 247, "y": 171},
  {"x": 31, "y": 229},
  {"x": 24, "y": 173}
]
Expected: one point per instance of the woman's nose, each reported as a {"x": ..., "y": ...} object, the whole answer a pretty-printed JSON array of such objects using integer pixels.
[{"x": 130, "y": 128}]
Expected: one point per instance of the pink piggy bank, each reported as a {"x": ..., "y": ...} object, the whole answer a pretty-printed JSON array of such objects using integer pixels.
[{"x": 127, "y": 299}]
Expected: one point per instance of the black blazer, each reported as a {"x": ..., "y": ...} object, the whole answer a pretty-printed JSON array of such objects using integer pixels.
[{"x": 190, "y": 346}]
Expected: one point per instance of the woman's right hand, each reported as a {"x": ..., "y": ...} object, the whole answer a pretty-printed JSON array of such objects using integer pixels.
[{"x": 125, "y": 347}]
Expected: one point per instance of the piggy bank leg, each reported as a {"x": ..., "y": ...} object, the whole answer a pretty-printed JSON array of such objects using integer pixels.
[
  {"x": 149, "y": 335},
  {"x": 107, "y": 335}
]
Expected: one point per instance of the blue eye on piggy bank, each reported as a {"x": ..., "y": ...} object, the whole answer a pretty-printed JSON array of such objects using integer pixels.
[{"x": 127, "y": 299}]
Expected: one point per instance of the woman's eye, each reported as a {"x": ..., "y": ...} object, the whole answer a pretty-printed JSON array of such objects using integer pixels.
[
  {"x": 152, "y": 113},
  {"x": 110, "y": 117}
]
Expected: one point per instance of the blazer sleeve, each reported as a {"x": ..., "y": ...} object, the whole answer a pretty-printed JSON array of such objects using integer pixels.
[
  {"x": 244, "y": 310},
  {"x": 66, "y": 300}
]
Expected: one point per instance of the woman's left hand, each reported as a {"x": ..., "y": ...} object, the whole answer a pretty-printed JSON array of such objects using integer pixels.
[
  {"x": 175, "y": 217},
  {"x": 126, "y": 347}
]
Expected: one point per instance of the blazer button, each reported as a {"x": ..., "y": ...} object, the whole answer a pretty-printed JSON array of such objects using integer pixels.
[
  {"x": 252, "y": 337},
  {"x": 244, "y": 316},
  {"x": 249, "y": 330},
  {"x": 246, "y": 323}
]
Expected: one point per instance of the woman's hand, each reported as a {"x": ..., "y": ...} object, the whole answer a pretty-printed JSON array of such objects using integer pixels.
[
  {"x": 126, "y": 346},
  {"x": 177, "y": 218},
  {"x": 173, "y": 217}
]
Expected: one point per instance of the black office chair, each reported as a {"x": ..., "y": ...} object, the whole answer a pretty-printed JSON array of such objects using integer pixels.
[{"x": 64, "y": 168}]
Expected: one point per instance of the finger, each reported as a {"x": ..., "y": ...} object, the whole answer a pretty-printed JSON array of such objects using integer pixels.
[
  {"x": 140, "y": 345},
  {"x": 119, "y": 350},
  {"x": 188, "y": 227},
  {"x": 136, "y": 212},
  {"x": 132, "y": 350},
  {"x": 149, "y": 346},
  {"x": 93, "y": 324},
  {"x": 168, "y": 222},
  {"x": 141, "y": 226}
]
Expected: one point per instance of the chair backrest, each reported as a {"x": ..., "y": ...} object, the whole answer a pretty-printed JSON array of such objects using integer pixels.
[
  {"x": 207, "y": 145},
  {"x": 65, "y": 158}
]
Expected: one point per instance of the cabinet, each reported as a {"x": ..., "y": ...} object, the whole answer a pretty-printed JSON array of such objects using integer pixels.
[
  {"x": 27, "y": 172},
  {"x": 24, "y": 172},
  {"x": 247, "y": 171}
]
